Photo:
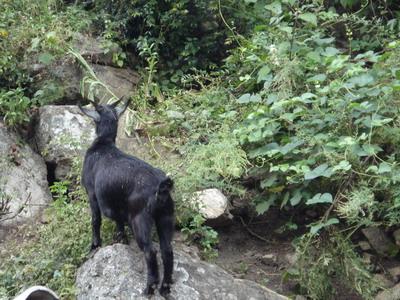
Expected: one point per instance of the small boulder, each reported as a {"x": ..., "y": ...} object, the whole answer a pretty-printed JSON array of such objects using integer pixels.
[
  {"x": 213, "y": 205},
  {"x": 23, "y": 180},
  {"x": 364, "y": 245},
  {"x": 396, "y": 236},
  {"x": 383, "y": 281},
  {"x": 395, "y": 272},
  {"x": 390, "y": 294},
  {"x": 62, "y": 134},
  {"x": 96, "y": 50},
  {"x": 119, "y": 272},
  {"x": 120, "y": 81},
  {"x": 380, "y": 242}
]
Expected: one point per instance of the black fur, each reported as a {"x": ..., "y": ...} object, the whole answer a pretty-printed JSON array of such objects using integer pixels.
[{"x": 128, "y": 190}]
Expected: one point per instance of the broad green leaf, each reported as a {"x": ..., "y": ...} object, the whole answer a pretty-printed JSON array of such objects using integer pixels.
[
  {"x": 263, "y": 206},
  {"x": 263, "y": 74},
  {"x": 309, "y": 17},
  {"x": 373, "y": 169},
  {"x": 320, "y": 198},
  {"x": 384, "y": 167},
  {"x": 296, "y": 198},
  {"x": 343, "y": 165},
  {"x": 330, "y": 51},
  {"x": 274, "y": 7},
  {"x": 361, "y": 80},
  {"x": 291, "y": 146},
  {"x": 318, "y": 78},
  {"x": 371, "y": 149},
  {"x": 291, "y": 2},
  {"x": 269, "y": 150},
  {"x": 247, "y": 98},
  {"x": 322, "y": 170},
  {"x": 316, "y": 228},
  {"x": 269, "y": 182},
  {"x": 285, "y": 199}
]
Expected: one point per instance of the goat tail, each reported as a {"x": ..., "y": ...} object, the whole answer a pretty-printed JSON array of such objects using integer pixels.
[
  {"x": 165, "y": 186},
  {"x": 161, "y": 196}
]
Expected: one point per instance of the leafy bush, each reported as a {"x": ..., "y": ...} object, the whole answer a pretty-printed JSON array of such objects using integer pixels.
[
  {"x": 34, "y": 32},
  {"x": 327, "y": 263},
  {"x": 315, "y": 127},
  {"x": 186, "y": 34},
  {"x": 14, "y": 106}
]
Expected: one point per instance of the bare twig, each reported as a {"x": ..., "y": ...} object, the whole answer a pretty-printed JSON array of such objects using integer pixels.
[{"x": 252, "y": 232}]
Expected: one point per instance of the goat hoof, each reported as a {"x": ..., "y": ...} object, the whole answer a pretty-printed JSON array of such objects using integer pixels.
[
  {"x": 93, "y": 249},
  {"x": 149, "y": 290},
  {"x": 120, "y": 238},
  {"x": 165, "y": 289}
]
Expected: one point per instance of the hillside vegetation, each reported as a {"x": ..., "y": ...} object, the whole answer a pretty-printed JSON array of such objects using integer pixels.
[{"x": 285, "y": 103}]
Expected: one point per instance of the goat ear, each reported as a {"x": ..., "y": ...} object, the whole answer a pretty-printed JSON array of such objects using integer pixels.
[
  {"x": 90, "y": 113},
  {"x": 120, "y": 110}
]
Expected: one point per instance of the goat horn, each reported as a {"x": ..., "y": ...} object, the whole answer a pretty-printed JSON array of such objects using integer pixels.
[
  {"x": 120, "y": 110},
  {"x": 90, "y": 113}
]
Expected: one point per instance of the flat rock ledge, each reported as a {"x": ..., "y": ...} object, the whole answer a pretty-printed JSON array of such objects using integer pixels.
[{"x": 119, "y": 272}]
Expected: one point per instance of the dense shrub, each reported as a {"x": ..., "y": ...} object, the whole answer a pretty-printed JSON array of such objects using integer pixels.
[{"x": 187, "y": 34}]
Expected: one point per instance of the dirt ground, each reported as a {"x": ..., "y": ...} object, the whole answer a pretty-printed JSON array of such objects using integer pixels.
[{"x": 253, "y": 249}]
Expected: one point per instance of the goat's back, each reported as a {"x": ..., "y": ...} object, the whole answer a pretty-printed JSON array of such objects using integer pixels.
[{"x": 122, "y": 182}]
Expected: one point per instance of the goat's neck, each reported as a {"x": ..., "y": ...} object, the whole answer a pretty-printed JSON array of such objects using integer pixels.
[{"x": 105, "y": 140}]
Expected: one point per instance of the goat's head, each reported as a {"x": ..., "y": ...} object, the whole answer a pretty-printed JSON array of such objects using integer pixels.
[{"x": 106, "y": 116}]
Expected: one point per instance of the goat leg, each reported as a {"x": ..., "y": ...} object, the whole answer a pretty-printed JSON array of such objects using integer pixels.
[
  {"x": 96, "y": 223},
  {"x": 165, "y": 230},
  {"x": 120, "y": 236},
  {"x": 142, "y": 224}
]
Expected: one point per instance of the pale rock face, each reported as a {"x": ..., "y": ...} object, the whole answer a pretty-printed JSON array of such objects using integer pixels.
[
  {"x": 23, "y": 180},
  {"x": 62, "y": 134},
  {"x": 119, "y": 272}
]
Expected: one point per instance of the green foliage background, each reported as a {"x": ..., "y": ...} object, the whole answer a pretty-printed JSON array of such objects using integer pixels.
[{"x": 302, "y": 97}]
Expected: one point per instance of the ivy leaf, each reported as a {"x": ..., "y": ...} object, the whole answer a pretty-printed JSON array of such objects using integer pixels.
[
  {"x": 330, "y": 51},
  {"x": 296, "y": 198},
  {"x": 322, "y": 170},
  {"x": 247, "y": 98},
  {"x": 274, "y": 7},
  {"x": 263, "y": 74},
  {"x": 384, "y": 167},
  {"x": 309, "y": 17},
  {"x": 361, "y": 80},
  {"x": 291, "y": 146},
  {"x": 320, "y": 198},
  {"x": 315, "y": 228},
  {"x": 318, "y": 78},
  {"x": 263, "y": 206},
  {"x": 269, "y": 182}
]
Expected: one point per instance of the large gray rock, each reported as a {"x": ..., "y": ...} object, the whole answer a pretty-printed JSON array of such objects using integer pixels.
[
  {"x": 96, "y": 50},
  {"x": 119, "y": 272},
  {"x": 389, "y": 294},
  {"x": 120, "y": 81},
  {"x": 23, "y": 180},
  {"x": 62, "y": 134},
  {"x": 64, "y": 76},
  {"x": 380, "y": 242}
]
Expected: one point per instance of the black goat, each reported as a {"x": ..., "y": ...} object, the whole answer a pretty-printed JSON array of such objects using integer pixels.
[{"x": 128, "y": 190}]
